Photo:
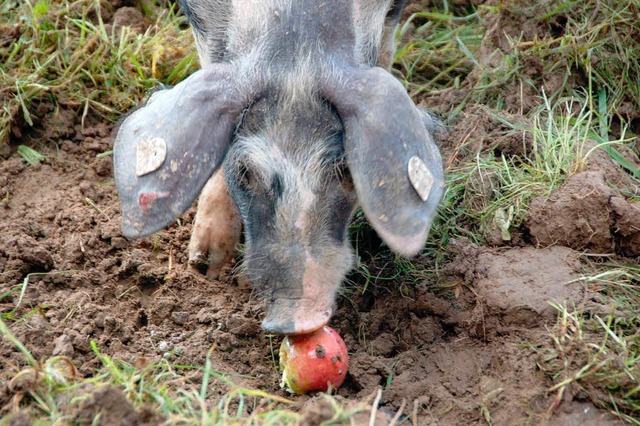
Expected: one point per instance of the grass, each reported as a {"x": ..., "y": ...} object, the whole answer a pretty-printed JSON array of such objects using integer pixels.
[
  {"x": 438, "y": 54},
  {"x": 493, "y": 189},
  {"x": 514, "y": 46},
  {"x": 486, "y": 187},
  {"x": 595, "y": 350},
  {"x": 30, "y": 155},
  {"x": 54, "y": 388},
  {"x": 22, "y": 289},
  {"x": 547, "y": 82},
  {"x": 61, "y": 55},
  {"x": 52, "y": 392}
]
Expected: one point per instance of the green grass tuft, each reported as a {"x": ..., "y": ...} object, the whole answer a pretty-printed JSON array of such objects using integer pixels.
[
  {"x": 30, "y": 155},
  {"x": 595, "y": 349},
  {"x": 62, "y": 55},
  {"x": 52, "y": 389}
]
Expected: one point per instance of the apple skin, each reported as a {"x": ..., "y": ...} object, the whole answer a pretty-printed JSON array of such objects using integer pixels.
[{"x": 314, "y": 361}]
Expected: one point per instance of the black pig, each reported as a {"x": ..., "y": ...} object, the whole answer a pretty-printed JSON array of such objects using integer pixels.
[{"x": 291, "y": 123}]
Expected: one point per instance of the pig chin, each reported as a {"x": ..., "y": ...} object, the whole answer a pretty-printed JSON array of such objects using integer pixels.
[{"x": 313, "y": 308}]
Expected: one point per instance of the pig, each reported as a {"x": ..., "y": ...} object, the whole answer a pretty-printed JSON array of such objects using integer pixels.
[{"x": 292, "y": 122}]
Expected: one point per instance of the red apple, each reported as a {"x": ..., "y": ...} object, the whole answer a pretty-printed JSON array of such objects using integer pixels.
[{"x": 314, "y": 361}]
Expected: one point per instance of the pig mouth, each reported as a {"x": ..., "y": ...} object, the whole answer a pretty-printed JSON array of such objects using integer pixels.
[{"x": 292, "y": 316}]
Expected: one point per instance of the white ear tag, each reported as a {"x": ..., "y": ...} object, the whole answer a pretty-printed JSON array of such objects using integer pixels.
[
  {"x": 150, "y": 155},
  {"x": 420, "y": 177}
]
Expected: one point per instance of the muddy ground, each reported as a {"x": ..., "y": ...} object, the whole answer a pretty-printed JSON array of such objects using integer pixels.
[
  {"x": 448, "y": 355},
  {"x": 458, "y": 348}
]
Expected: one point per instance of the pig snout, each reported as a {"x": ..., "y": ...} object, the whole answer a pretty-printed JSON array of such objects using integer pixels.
[
  {"x": 288, "y": 313},
  {"x": 301, "y": 300}
]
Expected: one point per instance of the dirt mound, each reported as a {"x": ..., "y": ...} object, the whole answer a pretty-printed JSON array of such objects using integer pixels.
[
  {"x": 456, "y": 356},
  {"x": 517, "y": 285},
  {"x": 586, "y": 214},
  {"x": 108, "y": 404}
]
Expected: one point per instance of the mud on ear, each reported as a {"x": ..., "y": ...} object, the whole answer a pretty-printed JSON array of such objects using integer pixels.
[
  {"x": 395, "y": 164},
  {"x": 165, "y": 151}
]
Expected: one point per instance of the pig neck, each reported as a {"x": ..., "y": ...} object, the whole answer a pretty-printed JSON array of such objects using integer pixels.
[{"x": 278, "y": 34}]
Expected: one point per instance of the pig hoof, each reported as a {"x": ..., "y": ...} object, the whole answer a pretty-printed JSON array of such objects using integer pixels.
[
  {"x": 214, "y": 273},
  {"x": 209, "y": 265},
  {"x": 199, "y": 262},
  {"x": 216, "y": 229}
]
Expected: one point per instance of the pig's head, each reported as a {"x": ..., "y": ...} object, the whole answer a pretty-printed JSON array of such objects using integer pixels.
[
  {"x": 287, "y": 173},
  {"x": 297, "y": 158}
]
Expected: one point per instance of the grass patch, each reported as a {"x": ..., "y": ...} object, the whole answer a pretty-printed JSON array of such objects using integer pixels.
[
  {"x": 594, "y": 350},
  {"x": 547, "y": 74},
  {"x": 30, "y": 155},
  {"x": 502, "y": 49},
  {"x": 439, "y": 52},
  {"x": 52, "y": 392},
  {"x": 62, "y": 55},
  {"x": 490, "y": 191}
]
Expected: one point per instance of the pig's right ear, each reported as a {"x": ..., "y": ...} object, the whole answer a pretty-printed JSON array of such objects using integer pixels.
[{"x": 166, "y": 151}]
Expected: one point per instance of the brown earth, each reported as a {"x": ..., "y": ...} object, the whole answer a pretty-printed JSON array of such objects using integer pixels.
[
  {"x": 462, "y": 355},
  {"x": 449, "y": 357}
]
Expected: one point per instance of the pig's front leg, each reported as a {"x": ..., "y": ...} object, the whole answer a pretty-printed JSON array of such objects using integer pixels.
[{"x": 217, "y": 227}]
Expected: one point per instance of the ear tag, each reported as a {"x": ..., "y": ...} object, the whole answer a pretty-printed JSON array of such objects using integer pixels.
[
  {"x": 150, "y": 154},
  {"x": 420, "y": 177}
]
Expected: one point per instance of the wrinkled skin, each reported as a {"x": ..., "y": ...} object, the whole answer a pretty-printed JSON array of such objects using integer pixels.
[{"x": 297, "y": 118}]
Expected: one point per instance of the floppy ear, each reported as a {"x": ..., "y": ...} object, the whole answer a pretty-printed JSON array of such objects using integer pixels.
[
  {"x": 165, "y": 151},
  {"x": 395, "y": 164}
]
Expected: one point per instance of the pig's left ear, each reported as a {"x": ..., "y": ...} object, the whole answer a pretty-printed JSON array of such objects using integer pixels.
[
  {"x": 395, "y": 164},
  {"x": 166, "y": 151}
]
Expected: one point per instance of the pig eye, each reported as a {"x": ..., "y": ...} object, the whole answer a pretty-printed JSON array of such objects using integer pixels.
[
  {"x": 246, "y": 177},
  {"x": 344, "y": 176},
  {"x": 277, "y": 188}
]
